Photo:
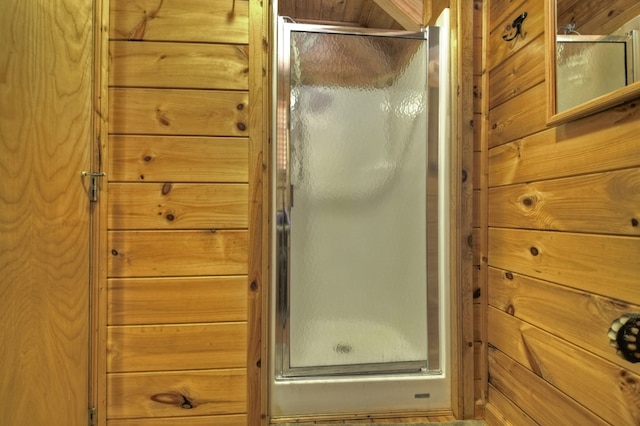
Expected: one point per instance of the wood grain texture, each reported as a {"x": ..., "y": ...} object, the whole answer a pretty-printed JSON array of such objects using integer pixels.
[
  {"x": 606, "y": 389},
  {"x": 596, "y": 203},
  {"x": 176, "y": 300},
  {"x": 258, "y": 348},
  {"x": 216, "y": 21},
  {"x": 603, "y": 142},
  {"x": 176, "y": 394},
  {"x": 233, "y": 420},
  {"x": 177, "y": 253},
  {"x": 498, "y": 50},
  {"x": 597, "y": 17},
  {"x": 519, "y": 73},
  {"x": 46, "y": 85},
  {"x": 503, "y": 412},
  {"x": 177, "y": 159},
  {"x": 177, "y": 206},
  {"x": 518, "y": 117},
  {"x": 179, "y": 65},
  {"x": 176, "y": 347},
  {"x": 545, "y": 404},
  {"x": 601, "y": 264},
  {"x": 178, "y": 112},
  {"x": 578, "y": 317}
]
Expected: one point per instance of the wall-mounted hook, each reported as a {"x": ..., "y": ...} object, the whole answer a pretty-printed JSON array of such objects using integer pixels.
[{"x": 512, "y": 31}]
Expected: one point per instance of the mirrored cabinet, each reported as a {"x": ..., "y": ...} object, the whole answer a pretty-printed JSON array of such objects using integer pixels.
[{"x": 593, "y": 56}]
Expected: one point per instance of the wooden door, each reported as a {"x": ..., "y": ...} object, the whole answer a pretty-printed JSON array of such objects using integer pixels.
[{"x": 45, "y": 134}]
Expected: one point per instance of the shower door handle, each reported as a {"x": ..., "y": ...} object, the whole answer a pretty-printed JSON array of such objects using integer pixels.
[{"x": 282, "y": 237}]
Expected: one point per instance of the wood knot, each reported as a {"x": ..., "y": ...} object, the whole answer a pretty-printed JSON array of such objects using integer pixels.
[
  {"x": 509, "y": 276},
  {"x": 528, "y": 202},
  {"x": 173, "y": 398},
  {"x": 511, "y": 310},
  {"x": 170, "y": 217},
  {"x": 147, "y": 158},
  {"x": 166, "y": 188},
  {"x": 534, "y": 251},
  {"x": 241, "y": 126},
  {"x": 634, "y": 222},
  {"x": 254, "y": 286}
]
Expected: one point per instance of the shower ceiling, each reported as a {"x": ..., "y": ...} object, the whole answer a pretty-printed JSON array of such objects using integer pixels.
[
  {"x": 361, "y": 13},
  {"x": 384, "y": 57}
]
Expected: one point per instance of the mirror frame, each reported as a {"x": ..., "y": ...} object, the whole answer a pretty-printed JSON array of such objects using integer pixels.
[{"x": 598, "y": 104}]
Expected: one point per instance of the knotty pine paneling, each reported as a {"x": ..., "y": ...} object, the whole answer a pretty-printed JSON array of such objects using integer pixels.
[
  {"x": 179, "y": 65},
  {"x": 605, "y": 203},
  {"x": 178, "y": 112},
  {"x": 135, "y": 301},
  {"x": 215, "y": 21},
  {"x": 598, "y": 143},
  {"x": 176, "y": 347},
  {"x": 563, "y": 241},
  {"x": 177, "y": 253},
  {"x": 601, "y": 264},
  {"x": 176, "y": 393},
  {"x": 545, "y": 404},
  {"x": 178, "y": 212},
  {"x": 519, "y": 73},
  {"x": 603, "y": 387},
  {"x": 140, "y": 158},
  {"x": 498, "y": 50},
  {"x": 573, "y": 315},
  {"x": 502, "y": 411},
  {"x": 178, "y": 206},
  {"x": 518, "y": 117},
  {"x": 597, "y": 17},
  {"x": 232, "y": 420}
]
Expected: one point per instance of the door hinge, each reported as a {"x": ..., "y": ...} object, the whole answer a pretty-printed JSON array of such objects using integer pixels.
[
  {"x": 93, "y": 185},
  {"x": 93, "y": 418}
]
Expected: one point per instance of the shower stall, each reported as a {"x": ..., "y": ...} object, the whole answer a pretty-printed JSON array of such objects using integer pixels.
[{"x": 360, "y": 221}]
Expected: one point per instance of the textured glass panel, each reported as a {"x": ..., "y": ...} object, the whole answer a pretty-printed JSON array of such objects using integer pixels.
[
  {"x": 358, "y": 221},
  {"x": 587, "y": 70}
]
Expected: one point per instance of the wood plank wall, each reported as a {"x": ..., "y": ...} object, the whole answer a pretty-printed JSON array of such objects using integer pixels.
[
  {"x": 479, "y": 236},
  {"x": 178, "y": 213},
  {"x": 563, "y": 242}
]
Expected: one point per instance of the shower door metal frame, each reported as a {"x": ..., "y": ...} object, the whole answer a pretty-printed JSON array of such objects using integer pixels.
[{"x": 283, "y": 195}]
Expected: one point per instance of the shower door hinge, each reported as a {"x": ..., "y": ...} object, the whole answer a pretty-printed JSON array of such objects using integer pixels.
[
  {"x": 93, "y": 185},
  {"x": 93, "y": 418}
]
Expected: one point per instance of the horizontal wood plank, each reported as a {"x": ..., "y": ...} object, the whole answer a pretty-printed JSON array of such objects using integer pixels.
[
  {"x": 498, "y": 49},
  {"x": 596, "y": 203},
  {"x": 606, "y": 389},
  {"x": 544, "y": 403},
  {"x": 176, "y": 300},
  {"x": 600, "y": 264},
  {"x": 500, "y": 411},
  {"x": 569, "y": 314},
  {"x": 216, "y": 21},
  {"x": 177, "y": 206},
  {"x": 520, "y": 116},
  {"x": 176, "y": 347},
  {"x": 518, "y": 73},
  {"x": 178, "y": 112},
  {"x": 176, "y": 253},
  {"x": 178, "y": 159},
  {"x": 602, "y": 142},
  {"x": 176, "y": 394},
  {"x": 179, "y": 65},
  {"x": 233, "y": 420}
]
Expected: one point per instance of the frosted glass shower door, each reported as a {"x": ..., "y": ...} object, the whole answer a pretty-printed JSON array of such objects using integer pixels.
[{"x": 352, "y": 205}]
